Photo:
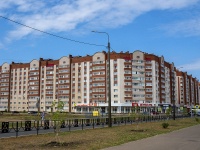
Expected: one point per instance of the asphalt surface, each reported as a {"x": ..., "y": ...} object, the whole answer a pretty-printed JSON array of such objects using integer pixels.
[{"x": 184, "y": 139}]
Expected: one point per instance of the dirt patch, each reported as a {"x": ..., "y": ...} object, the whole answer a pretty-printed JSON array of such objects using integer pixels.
[
  {"x": 139, "y": 130},
  {"x": 62, "y": 144}
]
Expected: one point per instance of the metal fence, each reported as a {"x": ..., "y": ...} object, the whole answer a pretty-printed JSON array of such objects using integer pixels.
[{"x": 28, "y": 127}]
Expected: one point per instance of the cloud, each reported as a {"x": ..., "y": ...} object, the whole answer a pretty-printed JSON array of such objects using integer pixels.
[
  {"x": 65, "y": 16},
  {"x": 184, "y": 28},
  {"x": 21, "y": 5},
  {"x": 191, "y": 66}
]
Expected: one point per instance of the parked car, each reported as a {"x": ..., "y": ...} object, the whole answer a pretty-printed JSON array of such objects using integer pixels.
[
  {"x": 198, "y": 113},
  {"x": 194, "y": 113},
  {"x": 15, "y": 112},
  {"x": 146, "y": 113},
  {"x": 32, "y": 112},
  {"x": 155, "y": 113}
]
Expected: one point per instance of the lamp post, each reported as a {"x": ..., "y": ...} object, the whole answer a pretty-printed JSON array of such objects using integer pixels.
[
  {"x": 98, "y": 103},
  {"x": 174, "y": 109},
  {"x": 109, "y": 83},
  {"x": 0, "y": 104},
  {"x": 28, "y": 104},
  {"x": 38, "y": 105},
  {"x": 191, "y": 109},
  {"x": 174, "y": 103}
]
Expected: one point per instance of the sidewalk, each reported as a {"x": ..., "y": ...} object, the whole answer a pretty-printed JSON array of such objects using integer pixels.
[{"x": 184, "y": 139}]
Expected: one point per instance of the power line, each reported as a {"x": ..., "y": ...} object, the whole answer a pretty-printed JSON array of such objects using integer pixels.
[{"x": 51, "y": 33}]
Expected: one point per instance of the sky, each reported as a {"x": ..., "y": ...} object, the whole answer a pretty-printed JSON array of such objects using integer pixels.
[{"x": 33, "y": 29}]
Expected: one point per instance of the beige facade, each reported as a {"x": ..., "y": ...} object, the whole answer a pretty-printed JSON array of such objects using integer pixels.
[{"x": 137, "y": 78}]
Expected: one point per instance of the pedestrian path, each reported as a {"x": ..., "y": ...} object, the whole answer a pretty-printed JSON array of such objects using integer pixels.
[{"x": 184, "y": 139}]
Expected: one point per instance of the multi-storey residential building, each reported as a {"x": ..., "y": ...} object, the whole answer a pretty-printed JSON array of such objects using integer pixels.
[
  {"x": 198, "y": 93},
  {"x": 188, "y": 90},
  {"x": 137, "y": 79},
  {"x": 5, "y": 86}
]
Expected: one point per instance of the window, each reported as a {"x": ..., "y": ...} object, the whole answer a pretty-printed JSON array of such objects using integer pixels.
[
  {"x": 148, "y": 84},
  {"x": 115, "y": 90}
]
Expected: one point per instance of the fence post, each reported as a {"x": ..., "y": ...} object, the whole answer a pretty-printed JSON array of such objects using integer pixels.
[
  {"x": 17, "y": 129},
  {"x": 37, "y": 126},
  {"x": 103, "y": 123},
  {"x": 82, "y": 123},
  {"x": 69, "y": 125},
  {"x": 93, "y": 123},
  {"x": 5, "y": 127}
]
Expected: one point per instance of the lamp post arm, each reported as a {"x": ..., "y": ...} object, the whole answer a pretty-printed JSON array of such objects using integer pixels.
[{"x": 106, "y": 34}]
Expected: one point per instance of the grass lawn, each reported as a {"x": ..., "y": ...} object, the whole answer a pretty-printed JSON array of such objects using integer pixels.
[
  {"x": 94, "y": 139},
  {"x": 26, "y": 116}
]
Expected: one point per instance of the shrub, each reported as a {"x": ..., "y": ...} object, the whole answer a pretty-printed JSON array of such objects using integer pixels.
[
  {"x": 197, "y": 119},
  {"x": 165, "y": 125}
]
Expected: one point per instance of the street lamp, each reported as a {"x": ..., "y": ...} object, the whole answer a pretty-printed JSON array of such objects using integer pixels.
[
  {"x": 174, "y": 109},
  {"x": 38, "y": 105},
  {"x": 190, "y": 104},
  {"x": 109, "y": 83},
  {"x": 174, "y": 104}
]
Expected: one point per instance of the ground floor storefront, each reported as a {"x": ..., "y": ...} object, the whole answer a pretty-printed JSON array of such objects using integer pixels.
[{"x": 126, "y": 108}]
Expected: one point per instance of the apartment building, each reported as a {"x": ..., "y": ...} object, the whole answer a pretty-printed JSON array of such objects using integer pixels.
[
  {"x": 188, "y": 90},
  {"x": 137, "y": 79}
]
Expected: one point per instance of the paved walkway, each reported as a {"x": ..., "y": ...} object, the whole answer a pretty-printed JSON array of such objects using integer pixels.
[{"x": 184, "y": 139}]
